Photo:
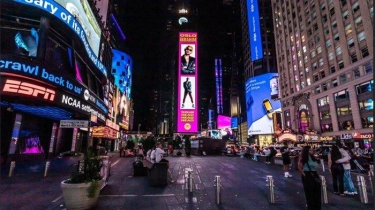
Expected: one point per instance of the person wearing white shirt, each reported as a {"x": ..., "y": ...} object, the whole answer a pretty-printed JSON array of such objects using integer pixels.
[
  {"x": 348, "y": 182},
  {"x": 159, "y": 153},
  {"x": 152, "y": 155}
]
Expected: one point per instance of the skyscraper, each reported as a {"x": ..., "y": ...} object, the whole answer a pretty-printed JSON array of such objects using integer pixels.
[{"x": 325, "y": 61}]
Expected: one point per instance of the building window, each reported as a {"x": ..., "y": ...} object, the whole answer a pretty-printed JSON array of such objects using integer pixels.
[
  {"x": 330, "y": 56},
  {"x": 365, "y": 87},
  {"x": 313, "y": 54},
  {"x": 342, "y": 78},
  {"x": 328, "y": 43},
  {"x": 332, "y": 11},
  {"x": 341, "y": 95},
  {"x": 323, "y": 101},
  {"x": 334, "y": 82},
  {"x": 356, "y": 73},
  {"x": 365, "y": 52},
  {"x": 345, "y": 15},
  {"x": 368, "y": 68},
  {"x": 358, "y": 22},
  {"x": 327, "y": 127},
  {"x": 341, "y": 64},
  {"x": 316, "y": 78},
  {"x": 351, "y": 43},
  {"x": 314, "y": 66},
  {"x": 338, "y": 51},
  {"x": 321, "y": 63},
  {"x": 345, "y": 110},
  {"x": 334, "y": 24},
  {"x": 324, "y": 87},
  {"x": 323, "y": 7},
  {"x": 332, "y": 69},
  {"x": 361, "y": 36},
  {"x": 355, "y": 7},
  {"x": 336, "y": 37},
  {"x": 317, "y": 89},
  {"x": 324, "y": 18},
  {"x": 343, "y": 3},
  {"x": 322, "y": 74},
  {"x": 308, "y": 81},
  {"x": 348, "y": 29},
  {"x": 325, "y": 114},
  {"x": 353, "y": 58},
  {"x": 367, "y": 122},
  {"x": 346, "y": 125}
]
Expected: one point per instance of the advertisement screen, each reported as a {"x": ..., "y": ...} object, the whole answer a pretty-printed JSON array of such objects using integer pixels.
[
  {"x": 187, "y": 106},
  {"x": 259, "y": 104},
  {"x": 82, "y": 12},
  {"x": 224, "y": 124},
  {"x": 254, "y": 30}
]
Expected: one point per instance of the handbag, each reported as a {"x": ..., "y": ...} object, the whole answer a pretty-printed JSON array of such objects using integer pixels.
[{"x": 315, "y": 176}]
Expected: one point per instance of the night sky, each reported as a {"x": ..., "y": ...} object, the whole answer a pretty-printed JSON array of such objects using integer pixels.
[{"x": 142, "y": 22}]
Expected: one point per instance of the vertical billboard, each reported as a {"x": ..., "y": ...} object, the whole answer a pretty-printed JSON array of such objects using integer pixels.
[
  {"x": 259, "y": 103},
  {"x": 254, "y": 30},
  {"x": 187, "y": 105}
]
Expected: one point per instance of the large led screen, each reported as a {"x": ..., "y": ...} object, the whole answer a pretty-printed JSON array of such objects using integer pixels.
[
  {"x": 187, "y": 106},
  {"x": 259, "y": 103},
  {"x": 254, "y": 30},
  {"x": 82, "y": 12},
  {"x": 78, "y": 16},
  {"x": 224, "y": 124}
]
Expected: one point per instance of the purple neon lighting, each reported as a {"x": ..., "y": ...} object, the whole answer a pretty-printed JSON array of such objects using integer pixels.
[
  {"x": 78, "y": 74},
  {"x": 117, "y": 26}
]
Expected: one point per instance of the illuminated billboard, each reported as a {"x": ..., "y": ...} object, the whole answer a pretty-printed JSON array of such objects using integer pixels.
[
  {"x": 254, "y": 30},
  {"x": 187, "y": 106},
  {"x": 259, "y": 103},
  {"x": 224, "y": 125},
  {"x": 78, "y": 17}
]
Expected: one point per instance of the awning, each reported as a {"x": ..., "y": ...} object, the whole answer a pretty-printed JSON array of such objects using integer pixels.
[{"x": 287, "y": 137}]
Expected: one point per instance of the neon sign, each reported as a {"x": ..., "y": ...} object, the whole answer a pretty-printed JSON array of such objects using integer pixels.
[{"x": 25, "y": 88}]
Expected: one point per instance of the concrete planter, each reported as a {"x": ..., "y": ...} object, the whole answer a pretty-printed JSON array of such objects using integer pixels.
[{"x": 75, "y": 195}]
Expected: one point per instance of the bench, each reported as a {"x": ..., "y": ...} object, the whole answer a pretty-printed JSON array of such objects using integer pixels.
[{"x": 157, "y": 173}]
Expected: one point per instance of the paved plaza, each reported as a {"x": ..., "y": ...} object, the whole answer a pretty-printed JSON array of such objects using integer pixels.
[{"x": 243, "y": 186}]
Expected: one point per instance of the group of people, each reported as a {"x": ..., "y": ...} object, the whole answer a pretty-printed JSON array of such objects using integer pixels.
[{"x": 339, "y": 166}]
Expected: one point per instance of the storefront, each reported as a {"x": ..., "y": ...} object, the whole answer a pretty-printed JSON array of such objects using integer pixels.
[{"x": 363, "y": 140}]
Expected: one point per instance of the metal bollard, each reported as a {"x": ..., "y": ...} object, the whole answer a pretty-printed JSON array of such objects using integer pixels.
[
  {"x": 324, "y": 189},
  {"x": 323, "y": 168},
  {"x": 271, "y": 195},
  {"x": 371, "y": 177},
  {"x": 12, "y": 166},
  {"x": 217, "y": 189},
  {"x": 190, "y": 180},
  {"x": 47, "y": 168},
  {"x": 362, "y": 189}
]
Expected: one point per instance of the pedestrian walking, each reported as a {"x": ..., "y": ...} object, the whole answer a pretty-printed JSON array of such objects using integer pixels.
[
  {"x": 267, "y": 153},
  {"x": 307, "y": 165},
  {"x": 349, "y": 188},
  {"x": 337, "y": 170},
  {"x": 285, "y": 153}
]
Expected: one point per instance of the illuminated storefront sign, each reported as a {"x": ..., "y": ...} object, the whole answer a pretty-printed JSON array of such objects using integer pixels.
[
  {"x": 79, "y": 18},
  {"x": 54, "y": 78},
  {"x": 104, "y": 132},
  {"x": 112, "y": 125},
  {"x": 259, "y": 105},
  {"x": 187, "y": 110},
  {"x": 81, "y": 106},
  {"x": 357, "y": 135},
  {"x": 29, "y": 89},
  {"x": 327, "y": 138}
]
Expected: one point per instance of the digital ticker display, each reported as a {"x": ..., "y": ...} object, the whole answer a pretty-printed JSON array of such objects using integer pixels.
[
  {"x": 187, "y": 110},
  {"x": 254, "y": 30}
]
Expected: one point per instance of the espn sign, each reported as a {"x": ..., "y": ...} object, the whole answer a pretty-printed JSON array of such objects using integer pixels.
[{"x": 25, "y": 88}]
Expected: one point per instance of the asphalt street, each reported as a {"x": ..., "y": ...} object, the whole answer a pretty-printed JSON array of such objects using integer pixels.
[{"x": 243, "y": 186}]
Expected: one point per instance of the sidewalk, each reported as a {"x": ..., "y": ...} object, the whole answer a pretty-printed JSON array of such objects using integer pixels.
[{"x": 243, "y": 185}]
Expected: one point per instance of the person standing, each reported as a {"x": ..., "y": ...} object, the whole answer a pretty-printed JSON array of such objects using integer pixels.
[
  {"x": 337, "y": 170},
  {"x": 285, "y": 154},
  {"x": 267, "y": 153},
  {"x": 307, "y": 165},
  {"x": 187, "y": 88},
  {"x": 188, "y": 61},
  {"x": 349, "y": 187}
]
